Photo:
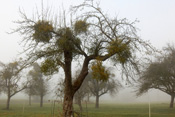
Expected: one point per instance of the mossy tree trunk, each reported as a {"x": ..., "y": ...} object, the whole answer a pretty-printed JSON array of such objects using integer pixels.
[
  {"x": 71, "y": 88},
  {"x": 68, "y": 91}
]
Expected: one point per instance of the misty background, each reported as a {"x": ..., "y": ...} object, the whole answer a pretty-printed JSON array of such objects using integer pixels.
[{"x": 156, "y": 24}]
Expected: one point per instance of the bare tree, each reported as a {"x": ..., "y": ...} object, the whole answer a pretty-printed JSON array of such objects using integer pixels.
[
  {"x": 30, "y": 91},
  {"x": 160, "y": 74},
  {"x": 91, "y": 35},
  {"x": 99, "y": 88},
  {"x": 102, "y": 81},
  {"x": 59, "y": 90},
  {"x": 39, "y": 85},
  {"x": 10, "y": 75}
]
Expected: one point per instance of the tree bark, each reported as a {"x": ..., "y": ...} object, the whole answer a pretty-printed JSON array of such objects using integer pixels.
[
  {"x": 97, "y": 101},
  {"x": 67, "y": 105},
  {"x": 172, "y": 101},
  {"x": 70, "y": 88},
  {"x": 68, "y": 91}
]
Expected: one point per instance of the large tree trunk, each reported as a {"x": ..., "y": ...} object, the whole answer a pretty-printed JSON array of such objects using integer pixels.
[
  {"x": 172, "y": 101},
  {"x": 68, "y": 104},
  {"x": 97, "y": 101},
  {"x": 41, "y": 101},
  {"x": 68, "y": 91},
  {"x": 70, "y": 88}
]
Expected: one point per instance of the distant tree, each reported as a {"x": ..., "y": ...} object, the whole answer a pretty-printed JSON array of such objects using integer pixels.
[
  {"x": 82, "y": 92},
  {"x": 1, "y": 85},
  {"x": 160, "y": 74},
  {"x": 91, "y": 35},
  {"x": 10, "y": 77},
  {"x": 39, "y": 85},
  {"x": 59, "y": 89},
  {"x": 2, "y": 81},
  {"x": 30, "y": 91},
  {"x": 102, "y": 82}
]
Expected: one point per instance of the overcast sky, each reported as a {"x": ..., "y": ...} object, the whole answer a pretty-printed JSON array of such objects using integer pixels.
[{"x": 157, "y": 19}]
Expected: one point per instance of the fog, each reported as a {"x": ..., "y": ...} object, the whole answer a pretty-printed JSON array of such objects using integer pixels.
[
  {"x": 125, "y": 95},
  {"x": 156, "y": 25},
  {"x": 128, "y": 96}
]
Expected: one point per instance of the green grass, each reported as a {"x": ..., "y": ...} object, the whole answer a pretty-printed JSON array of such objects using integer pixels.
[
  {"x": 130, "y": 110},
  {"x": 21, "y": 109}
]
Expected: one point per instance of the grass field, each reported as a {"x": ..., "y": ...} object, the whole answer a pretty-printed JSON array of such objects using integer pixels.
[{"x": 22, "y": 109}]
